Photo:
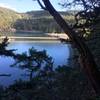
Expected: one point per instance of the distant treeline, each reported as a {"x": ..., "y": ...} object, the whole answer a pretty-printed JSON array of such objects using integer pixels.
[{"x": 34, "y": 20}]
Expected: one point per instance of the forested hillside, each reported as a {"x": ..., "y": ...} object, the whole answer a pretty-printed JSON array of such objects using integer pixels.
[
  {"x": 31, "y": 21},
  {"x": 7, "y": 18}
]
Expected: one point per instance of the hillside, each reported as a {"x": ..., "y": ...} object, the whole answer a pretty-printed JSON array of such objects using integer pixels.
[
  {"x": 45, "y": 14},
  {"x": 7, "y": 18},
  {"x": 34, "y": 20}
]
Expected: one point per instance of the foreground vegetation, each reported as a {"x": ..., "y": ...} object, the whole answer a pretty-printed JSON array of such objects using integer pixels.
[{"x": 62, "y": 84}]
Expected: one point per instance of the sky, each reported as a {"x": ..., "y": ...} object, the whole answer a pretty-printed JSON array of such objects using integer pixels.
[{"x": 27, "y": 5}]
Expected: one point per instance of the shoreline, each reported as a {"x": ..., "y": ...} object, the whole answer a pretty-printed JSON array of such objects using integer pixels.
[
  {"x": 32, "y": 39},
  {"x": 48, "y": 37}
]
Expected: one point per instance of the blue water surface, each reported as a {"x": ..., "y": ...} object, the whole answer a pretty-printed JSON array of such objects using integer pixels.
[{"x": 58, "y": 51}]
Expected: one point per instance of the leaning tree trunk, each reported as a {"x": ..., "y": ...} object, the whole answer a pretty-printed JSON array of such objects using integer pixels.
[{"x": 87, "y": 60}]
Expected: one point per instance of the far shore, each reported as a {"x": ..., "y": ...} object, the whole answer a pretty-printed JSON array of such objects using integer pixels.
[
  {"x": 36, "y": 36},
  {"x": 29, "y": 31}
]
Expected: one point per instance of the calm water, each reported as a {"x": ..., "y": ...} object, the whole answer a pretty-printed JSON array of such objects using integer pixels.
[{"x": 58, "y": 51}]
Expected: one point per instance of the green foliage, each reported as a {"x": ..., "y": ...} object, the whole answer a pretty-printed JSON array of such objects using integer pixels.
[
  {"x": 93, "y": 42},
  {"x": 42, "y": 21},
  {"x": 7, "y": 18},
  {"x": 64, "y": 84},
  {"x": 38, "y": 20},
  {"x": 3, "y": 48},
  {"x": 34, "y": 61}
]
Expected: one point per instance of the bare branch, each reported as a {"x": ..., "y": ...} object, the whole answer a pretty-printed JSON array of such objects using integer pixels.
[{"x": 41, "y": 5}]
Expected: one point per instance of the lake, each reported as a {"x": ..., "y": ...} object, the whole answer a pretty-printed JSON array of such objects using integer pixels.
[{"x": 58, "y": 51}]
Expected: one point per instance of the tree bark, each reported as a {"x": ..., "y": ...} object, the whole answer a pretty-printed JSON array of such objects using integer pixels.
[{"x": 87, "y": 59}]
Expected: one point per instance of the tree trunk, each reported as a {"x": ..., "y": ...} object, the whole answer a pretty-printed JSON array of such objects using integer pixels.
[{"x": 87, "y": 59}]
